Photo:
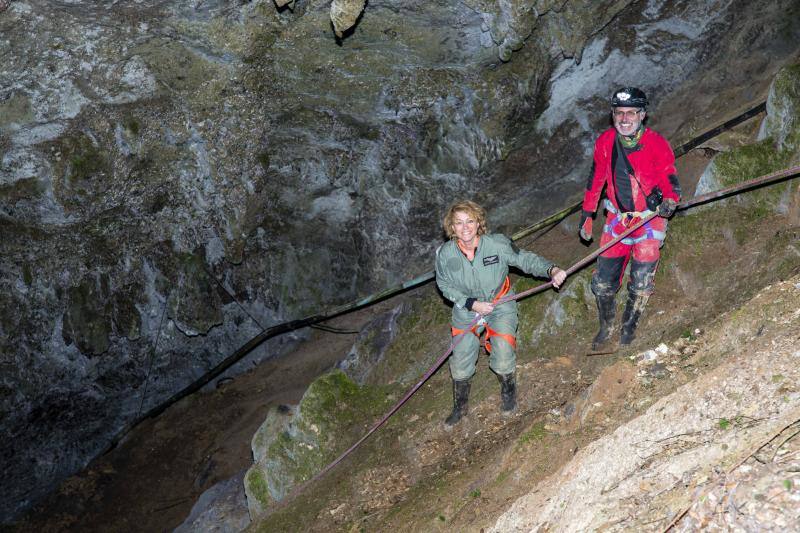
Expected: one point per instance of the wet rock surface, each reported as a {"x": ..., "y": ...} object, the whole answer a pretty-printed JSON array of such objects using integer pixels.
[
  {"x": 222, "y": 508},
  {"x": 175, "y": 177},
  {"x": 371, "y": 345}
]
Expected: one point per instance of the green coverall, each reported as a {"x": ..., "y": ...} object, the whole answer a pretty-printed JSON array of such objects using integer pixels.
[{"x": 460, "y": 279}]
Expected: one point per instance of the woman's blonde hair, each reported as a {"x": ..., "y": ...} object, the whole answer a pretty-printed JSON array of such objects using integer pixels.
[{"x": 470, "y": 208}]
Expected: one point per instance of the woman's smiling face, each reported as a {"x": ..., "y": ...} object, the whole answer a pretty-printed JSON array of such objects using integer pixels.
[{"x": 465, "y": 226}]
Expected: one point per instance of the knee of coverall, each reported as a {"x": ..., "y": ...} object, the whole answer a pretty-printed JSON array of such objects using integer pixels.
[
  {"x": 464, "y": 357},
  {"x": 607, "y": 276},
  {"x": 643, "y": 274},
  {"x": 503, "y": 359},
  {"x": 647, "y": 251}
]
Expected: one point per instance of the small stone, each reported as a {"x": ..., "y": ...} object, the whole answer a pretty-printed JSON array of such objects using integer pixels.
[
  {"x": 649, "y": 355},
  {"x": 338, "y": 509},
  {"x": 658, "y": 370}
]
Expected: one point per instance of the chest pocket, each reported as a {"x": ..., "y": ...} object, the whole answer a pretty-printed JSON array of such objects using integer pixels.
[{"x": 454, "y": 264}]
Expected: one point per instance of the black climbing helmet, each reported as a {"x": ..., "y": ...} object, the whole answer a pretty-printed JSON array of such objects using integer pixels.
[{"x": 629, "y": 97}]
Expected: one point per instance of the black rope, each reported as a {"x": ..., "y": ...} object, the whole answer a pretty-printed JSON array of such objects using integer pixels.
[
  {"x": 700, "y": 139},
  {"x": 331, "y": 329},
  {"x": 232, "y": 297},
  {"x": 152, "y": 357}
]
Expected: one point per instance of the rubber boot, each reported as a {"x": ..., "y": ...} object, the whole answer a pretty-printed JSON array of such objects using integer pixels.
[
  {"x": 460, "y": 401},
  {"x": 606, "y": 309},
  {"x": 508, "y": 393},
  {"x": 630, "y": 318}
]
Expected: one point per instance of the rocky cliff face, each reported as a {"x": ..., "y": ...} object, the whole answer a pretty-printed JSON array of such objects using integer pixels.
[{"x": 176, "y": 176}]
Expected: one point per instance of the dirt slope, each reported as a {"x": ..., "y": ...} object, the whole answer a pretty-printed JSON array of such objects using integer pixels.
[{"x": 723, "y": 443}]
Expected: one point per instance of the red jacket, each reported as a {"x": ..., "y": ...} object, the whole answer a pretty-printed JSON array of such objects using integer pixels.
[{"x": 653, "y": 164}]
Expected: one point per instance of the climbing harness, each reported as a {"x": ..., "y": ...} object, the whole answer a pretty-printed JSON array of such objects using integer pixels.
[
  {"x": 489, "y": 332},
  {"x": 625, "y": 220}
]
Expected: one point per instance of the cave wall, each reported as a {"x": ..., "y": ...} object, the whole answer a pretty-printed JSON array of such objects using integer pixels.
[{"x": 175, "y": 176}]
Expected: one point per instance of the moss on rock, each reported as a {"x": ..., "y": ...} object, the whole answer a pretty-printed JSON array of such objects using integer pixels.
[
  {"x": 783, "y": 110},
  {"x": 86, "y": 162},
  {"x": 256, "y": 489},
  {"x": 22, "y": 189},
  {"x": 333, "y": 409},
  {"x": 746, "y": 163}
]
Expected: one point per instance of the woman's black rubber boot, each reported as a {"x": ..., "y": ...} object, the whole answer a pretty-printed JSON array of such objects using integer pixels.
[
  {"x": 508, "y": 392},
  {"x": 460, "y": 401}
]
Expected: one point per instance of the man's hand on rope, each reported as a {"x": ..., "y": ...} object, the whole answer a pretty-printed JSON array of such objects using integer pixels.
[
  {"x": 586, "y": 226},
  {"x": 666, "y": 208}
]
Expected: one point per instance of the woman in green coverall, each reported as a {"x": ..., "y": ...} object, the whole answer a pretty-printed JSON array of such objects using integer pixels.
[{"x": 472, "y": 272}]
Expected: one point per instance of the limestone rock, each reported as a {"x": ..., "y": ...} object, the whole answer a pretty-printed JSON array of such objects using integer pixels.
[
  {"x": 371, "y": 345},
  {"x": 783, "y": 110},
  {"x": 220, "y": 509},
  {"x": 292, "y": 446},
  {"x": 688, "y": 443},
  {"x": 276, "y": 422},
  {"x": 345, "y": 13}
]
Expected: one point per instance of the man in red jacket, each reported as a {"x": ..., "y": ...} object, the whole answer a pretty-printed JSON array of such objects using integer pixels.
[{"x": 637, "y": 168}]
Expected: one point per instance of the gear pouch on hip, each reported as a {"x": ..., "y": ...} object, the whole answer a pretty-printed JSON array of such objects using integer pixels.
[{"x": 654, "y": 199}]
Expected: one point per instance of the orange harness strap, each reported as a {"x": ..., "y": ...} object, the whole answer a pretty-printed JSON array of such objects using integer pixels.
[{"x": 489, "y": 332}]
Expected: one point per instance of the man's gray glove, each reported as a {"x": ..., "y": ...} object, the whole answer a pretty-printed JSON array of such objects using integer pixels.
[{"x": 666, "y": 208}]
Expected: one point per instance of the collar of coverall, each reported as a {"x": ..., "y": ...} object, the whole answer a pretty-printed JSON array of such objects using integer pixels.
[
  {"x": 632, "y": 140},
  {"x": 467, "y": 251}
]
